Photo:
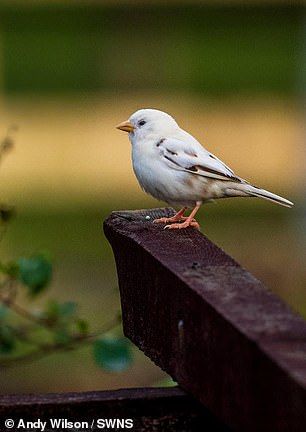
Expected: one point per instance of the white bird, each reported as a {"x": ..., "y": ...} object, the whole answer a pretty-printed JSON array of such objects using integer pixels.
[{"x": 172, "y": 166}]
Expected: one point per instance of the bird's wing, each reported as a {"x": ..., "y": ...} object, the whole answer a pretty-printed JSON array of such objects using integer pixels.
[{"x": 185, "y": 156}]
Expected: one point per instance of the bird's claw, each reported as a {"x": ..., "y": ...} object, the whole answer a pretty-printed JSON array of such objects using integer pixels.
[
  {"x": 165, "y": 220},
  {"x": 162, "y": 220},
  {"x": 193, "y": 223}
]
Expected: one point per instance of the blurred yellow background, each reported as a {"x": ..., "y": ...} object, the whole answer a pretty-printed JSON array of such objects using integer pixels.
[
  {"x": 231, "y": 73},
  {"x": 73, "y": 141}
]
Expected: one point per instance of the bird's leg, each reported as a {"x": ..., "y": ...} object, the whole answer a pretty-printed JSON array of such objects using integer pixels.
[
  {"x": 190, "y": 221},
  {"x": 176, "y": 218}
]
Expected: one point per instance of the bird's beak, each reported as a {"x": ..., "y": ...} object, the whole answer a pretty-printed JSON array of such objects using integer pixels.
[{"x": 125, "y": 126}]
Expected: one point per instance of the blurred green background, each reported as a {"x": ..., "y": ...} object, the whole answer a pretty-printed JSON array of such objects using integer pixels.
[{"x": 229, "y": 72}]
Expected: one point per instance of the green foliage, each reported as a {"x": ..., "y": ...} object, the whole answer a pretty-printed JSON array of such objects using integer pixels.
[
  {"x": 28, "y": 335},
  {"x": 35, "y": 273},
  {"x": 112, "y": 354},
  {"x": 57, "y": 324}
]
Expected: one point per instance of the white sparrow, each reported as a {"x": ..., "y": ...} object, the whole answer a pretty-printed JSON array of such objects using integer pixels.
[{"x": 172, "y": 166}]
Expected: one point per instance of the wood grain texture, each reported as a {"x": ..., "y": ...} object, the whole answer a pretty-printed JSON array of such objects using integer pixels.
[
  {"x": 152, "y": 409},
  {"x": 221, "y": 334}
]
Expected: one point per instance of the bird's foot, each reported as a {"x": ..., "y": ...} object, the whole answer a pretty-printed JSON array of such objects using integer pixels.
[
  {"x": 172, "y": 219},
  {"x": 164, "y": 220},
  {"x": 188, "y": 223}
]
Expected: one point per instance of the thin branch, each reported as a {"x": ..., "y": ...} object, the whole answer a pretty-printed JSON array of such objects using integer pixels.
[
  {"x": 28, "y": 315},
  {"x": 24, "y": 313},
  {"x": 45, "y": 350}
]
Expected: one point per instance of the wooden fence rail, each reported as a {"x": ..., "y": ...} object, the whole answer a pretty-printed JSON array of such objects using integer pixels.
[
  {"x": 211, "y": 325},
  {"x": 151, "y": 409}
]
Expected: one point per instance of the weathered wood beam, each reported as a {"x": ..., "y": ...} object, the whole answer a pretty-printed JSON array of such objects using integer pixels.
[
  {"x": 151, "y": 409},
  {"x": 221, "y": 334}
]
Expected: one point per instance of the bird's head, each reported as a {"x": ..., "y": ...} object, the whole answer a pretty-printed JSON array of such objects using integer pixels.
[{"x": 146, "y": 122}]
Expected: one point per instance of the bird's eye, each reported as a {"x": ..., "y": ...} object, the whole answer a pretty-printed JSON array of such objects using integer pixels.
[{"x": 141, "y": 123}]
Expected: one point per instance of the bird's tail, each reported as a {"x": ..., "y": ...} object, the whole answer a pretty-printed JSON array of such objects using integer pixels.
[{"x": 262, "y": 193}]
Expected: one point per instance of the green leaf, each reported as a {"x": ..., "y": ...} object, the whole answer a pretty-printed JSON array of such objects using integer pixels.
[
  {"x": 112, "y": 354},
  {"x": 35, "y": 273}
]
